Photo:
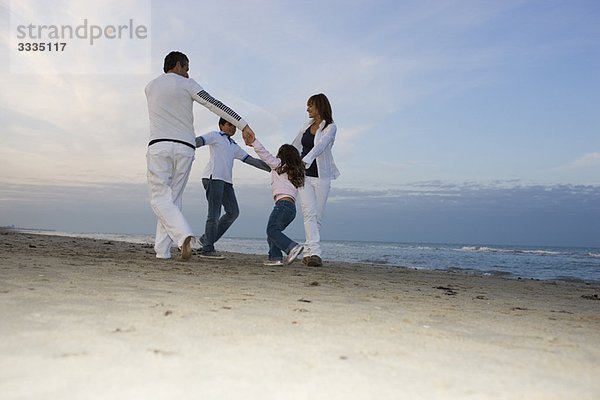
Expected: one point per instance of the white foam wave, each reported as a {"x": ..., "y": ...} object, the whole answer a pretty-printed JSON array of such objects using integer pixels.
[
  {"x": 486, "y": 249},
  {"x": 482, "y": 249},
  {"x": 540, "y": 252}
]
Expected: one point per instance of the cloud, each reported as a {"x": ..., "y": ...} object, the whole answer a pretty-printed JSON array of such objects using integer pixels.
[
  {"x": 77, "y": 129},
  {"x": 590, "y": 160},
  {"x": 470, "y": 194}
]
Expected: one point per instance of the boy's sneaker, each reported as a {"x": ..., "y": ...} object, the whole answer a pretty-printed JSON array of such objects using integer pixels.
[
  {"x": 272, "y": 263},
  {"x": 293, "y": 254},
  {"x": 213, "y": 255}
]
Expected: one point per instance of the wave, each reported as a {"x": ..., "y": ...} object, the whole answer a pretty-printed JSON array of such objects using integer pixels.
[
  {"x": 486, "y": 249},
  {"x": 540, "y": 252},
  {"x": 422, "y": 248},
  {"x": 480, "y": 249}
]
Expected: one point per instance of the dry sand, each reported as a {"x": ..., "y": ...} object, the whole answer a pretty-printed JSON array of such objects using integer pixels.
[{"x": 94, "y": 319}]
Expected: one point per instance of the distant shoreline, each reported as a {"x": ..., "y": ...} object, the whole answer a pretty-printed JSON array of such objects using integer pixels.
[{"x": 511, "y": 262}]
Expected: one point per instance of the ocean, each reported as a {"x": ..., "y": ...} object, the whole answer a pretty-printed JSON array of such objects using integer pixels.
[{"x": 525, "y": 262}]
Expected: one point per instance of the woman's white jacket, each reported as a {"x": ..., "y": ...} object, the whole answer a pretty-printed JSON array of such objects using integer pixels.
[{"x": 324, "y": 139}]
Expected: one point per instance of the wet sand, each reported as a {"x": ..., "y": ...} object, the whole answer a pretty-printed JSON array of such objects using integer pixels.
[{"x": 97, "y": 319}]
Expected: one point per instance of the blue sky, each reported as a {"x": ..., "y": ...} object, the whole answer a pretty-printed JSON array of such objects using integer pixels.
[{"x": 458, "y": 121}]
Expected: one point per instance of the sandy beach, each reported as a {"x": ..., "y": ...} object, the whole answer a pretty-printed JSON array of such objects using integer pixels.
[{"x": 94, "y": 319}]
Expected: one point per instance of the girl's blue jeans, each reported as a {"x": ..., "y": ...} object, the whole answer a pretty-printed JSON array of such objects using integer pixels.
[{"x": 282, "y": 215}]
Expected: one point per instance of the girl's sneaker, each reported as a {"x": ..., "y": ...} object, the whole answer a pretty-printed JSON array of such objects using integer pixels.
[{"x": 293, "y": 254}]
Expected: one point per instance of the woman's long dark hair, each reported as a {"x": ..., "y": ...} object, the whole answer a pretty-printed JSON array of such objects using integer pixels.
[
  {"x": 292, "y": 164},
  {"x": 321, "y": 102}
]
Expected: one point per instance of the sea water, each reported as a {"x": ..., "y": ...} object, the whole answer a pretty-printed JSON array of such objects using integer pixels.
[{"x": 528, "y": 262}]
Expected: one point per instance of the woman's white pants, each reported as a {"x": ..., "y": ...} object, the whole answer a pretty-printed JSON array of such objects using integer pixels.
[{"x": 313, "y": 197}]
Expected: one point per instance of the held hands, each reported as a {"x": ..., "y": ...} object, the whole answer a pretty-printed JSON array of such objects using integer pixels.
[{"x": 248, "y": 135}]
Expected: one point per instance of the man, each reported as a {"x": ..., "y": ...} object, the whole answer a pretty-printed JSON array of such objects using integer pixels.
[
  {"x": 218, "y": 183},
  {"x": 171, "y": 148}
]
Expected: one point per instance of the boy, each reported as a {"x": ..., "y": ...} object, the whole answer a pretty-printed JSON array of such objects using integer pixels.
[{"x": 218, "y": 183}]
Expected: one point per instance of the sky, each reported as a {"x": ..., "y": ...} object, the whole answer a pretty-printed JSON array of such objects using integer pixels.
[{"x": 458, "y": 121}]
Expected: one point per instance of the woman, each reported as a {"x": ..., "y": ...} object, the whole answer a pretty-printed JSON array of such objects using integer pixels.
[{"x": 314, "y": 142}]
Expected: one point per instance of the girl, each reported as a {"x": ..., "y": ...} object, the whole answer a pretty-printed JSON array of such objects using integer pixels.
[{"x": 287, "y": 175}]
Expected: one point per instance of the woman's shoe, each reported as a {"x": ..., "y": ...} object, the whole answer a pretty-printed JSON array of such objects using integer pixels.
[{"x": 315, "y": 261}]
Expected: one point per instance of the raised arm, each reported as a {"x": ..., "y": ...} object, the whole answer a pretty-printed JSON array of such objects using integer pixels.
[
  {"x": 205, "y": 99},
  {"x": 264, "y": 154}
]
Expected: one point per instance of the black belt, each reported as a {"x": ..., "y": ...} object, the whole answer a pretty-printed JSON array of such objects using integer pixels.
[{"x": 172, "y": 140}]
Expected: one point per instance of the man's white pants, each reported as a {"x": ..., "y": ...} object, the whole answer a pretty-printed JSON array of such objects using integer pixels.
[
  {"x": 313, "y": 197},
  {"x": 169, "y": 165}
]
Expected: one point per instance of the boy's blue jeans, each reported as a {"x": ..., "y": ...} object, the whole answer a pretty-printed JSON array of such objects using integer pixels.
[
  {"x": 218, "y": 193},
  {"x": 282, "y": 215}
]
